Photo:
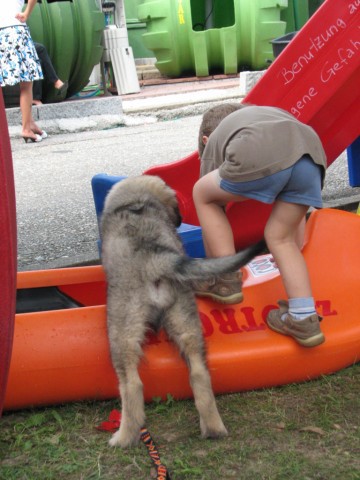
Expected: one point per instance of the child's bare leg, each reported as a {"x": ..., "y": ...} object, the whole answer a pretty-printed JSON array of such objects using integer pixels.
[
  {"x": 218, "y": 239},
  {"x": 209, "y": 200},
  {"x": 300, "y": 234},
  {"x": 281, "y": 235},
  {"x": 299, "y": 319}
]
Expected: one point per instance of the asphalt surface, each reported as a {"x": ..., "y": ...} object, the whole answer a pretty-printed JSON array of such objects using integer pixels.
[{"x": 56, "y": 219}]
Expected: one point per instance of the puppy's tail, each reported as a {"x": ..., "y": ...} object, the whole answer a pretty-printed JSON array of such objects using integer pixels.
[{"x": 189, "y": 269}]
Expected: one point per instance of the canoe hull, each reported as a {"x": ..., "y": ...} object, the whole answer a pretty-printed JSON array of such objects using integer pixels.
[{"x": 63, "y": 355}]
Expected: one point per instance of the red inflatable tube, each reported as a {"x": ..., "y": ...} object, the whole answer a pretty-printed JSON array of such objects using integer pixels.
[{"x": 7, "y": 252}]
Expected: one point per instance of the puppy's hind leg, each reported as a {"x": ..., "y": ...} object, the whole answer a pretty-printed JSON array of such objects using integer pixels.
[
  {"x": 211, "y": 425},
  {"x": 187, "y": 334},
  {"x": 132, "y": 412},
  {"x": 126, "y": 357}
]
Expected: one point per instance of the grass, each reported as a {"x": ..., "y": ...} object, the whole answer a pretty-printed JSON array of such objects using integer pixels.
[{"x": 303, "y": 432}]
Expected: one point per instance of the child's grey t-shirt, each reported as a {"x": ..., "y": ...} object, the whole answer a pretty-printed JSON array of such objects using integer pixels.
[{"x": 258, "y": 141}]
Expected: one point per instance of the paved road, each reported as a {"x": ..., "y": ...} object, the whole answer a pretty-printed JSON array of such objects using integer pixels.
[{"x": 55, "y": 211}]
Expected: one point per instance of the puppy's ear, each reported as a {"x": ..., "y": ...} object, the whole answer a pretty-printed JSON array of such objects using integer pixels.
[{"x": 136, "y": 208}]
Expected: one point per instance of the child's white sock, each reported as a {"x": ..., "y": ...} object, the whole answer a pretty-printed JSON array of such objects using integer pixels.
[{"x": 300, "y": 308}]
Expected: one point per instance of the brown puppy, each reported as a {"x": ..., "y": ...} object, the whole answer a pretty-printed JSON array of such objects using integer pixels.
[{"x": 150, "y": 286}]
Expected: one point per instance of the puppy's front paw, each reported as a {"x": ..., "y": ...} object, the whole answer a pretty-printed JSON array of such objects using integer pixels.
[
  {"x": 215, "y": 433},
  {"x": 119, "y": 439},
  {"x": 213, "y": 428}
]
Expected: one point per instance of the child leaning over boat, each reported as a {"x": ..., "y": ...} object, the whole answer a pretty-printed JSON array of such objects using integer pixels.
[{"x": 265, "y": 154}]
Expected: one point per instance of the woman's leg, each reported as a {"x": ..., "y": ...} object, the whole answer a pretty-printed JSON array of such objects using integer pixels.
[
  {"x": 29, "y": 127},
  {"x": 25, "y": 107}
]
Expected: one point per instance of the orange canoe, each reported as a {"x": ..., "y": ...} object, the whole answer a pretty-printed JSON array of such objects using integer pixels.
[{"x": 62, "y": 355}]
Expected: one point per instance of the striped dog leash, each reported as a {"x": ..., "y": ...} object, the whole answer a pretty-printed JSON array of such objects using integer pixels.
[
  {"x": 161, "y": 470},
  {"x": 114, "y": 423}
]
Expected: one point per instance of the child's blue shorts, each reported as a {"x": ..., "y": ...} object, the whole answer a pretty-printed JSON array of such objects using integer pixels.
[{"x": 300, "y": 184}]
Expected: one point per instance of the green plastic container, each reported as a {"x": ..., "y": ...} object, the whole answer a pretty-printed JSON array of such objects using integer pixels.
[
  {"x": 136, "y": 31},
  {"x": 314, "y": 5},
  {"x": 296, "y": 15},
  {"x": 131, "y": 10},
  {"x": 72, "y": 33},
  {"x": 202, "y": 37}
]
